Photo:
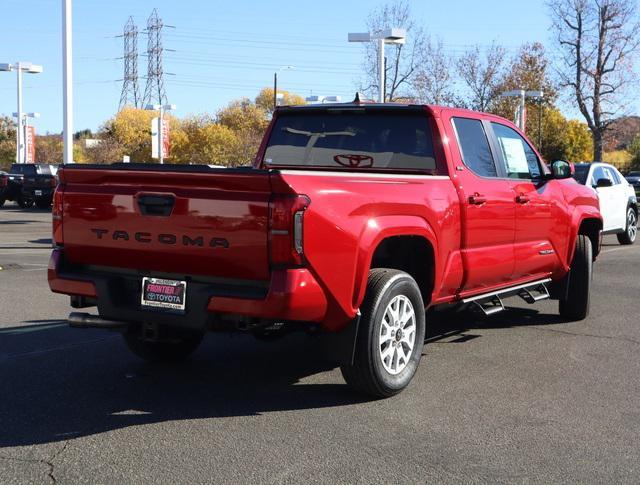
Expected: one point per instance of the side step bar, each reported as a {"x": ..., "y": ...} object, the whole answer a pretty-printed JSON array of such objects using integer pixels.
[
  {"x": 85, "y": 320},
  {"x": 491, "y": 303}
]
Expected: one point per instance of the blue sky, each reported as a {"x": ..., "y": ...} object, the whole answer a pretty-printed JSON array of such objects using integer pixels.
[{"x": 226, "y": 49}]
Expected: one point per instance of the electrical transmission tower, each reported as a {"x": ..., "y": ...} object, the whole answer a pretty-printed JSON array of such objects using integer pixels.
[
  {"x": 130, "y": 95},
  {"x": 154, "y": 92}
]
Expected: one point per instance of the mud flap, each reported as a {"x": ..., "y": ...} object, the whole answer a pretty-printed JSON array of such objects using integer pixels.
[{"x": 339, "y": 347}]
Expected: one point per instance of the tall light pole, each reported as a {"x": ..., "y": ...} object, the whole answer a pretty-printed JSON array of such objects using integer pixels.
[
  {"x": 275, "y": 83},
  {"x": 67, "y": 81},
  {"x": 522, "y": 95},
  {"x": 20, "y": 67},
  {"x": 387, "y": 36},
  {"x": 161, "y": 108}
]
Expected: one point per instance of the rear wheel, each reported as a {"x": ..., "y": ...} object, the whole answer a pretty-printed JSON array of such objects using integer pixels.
[
  {"x": 175, "y": 350},
  {"x": 43, "y": 203},
  {"x": 575, "y": 306},
  {"x": 25, "y": 203},
  {"x": 631, "y": 230},
  {"x": 2, "y": 201},
  {"x": 390, "y": 335}
]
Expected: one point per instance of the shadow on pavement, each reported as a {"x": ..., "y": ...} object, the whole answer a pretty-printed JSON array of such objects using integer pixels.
[{"x": 58, "y": 383}]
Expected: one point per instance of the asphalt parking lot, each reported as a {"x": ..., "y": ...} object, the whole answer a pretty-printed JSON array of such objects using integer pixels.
[{"x": 517, "y": 398}]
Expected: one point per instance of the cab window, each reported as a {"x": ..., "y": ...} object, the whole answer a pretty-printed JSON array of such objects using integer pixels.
[
  {"x": 474, "y": 147},
  {"x": 521, "y": 162}
]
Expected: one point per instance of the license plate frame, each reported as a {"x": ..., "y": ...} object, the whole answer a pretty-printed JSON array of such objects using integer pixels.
[{"x": 163, "y": 294}]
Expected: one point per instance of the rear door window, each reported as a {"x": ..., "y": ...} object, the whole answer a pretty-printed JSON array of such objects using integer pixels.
[
  {"x": 611, "y": 174},
  {"x": 352, "y": 140},
  {"x": 474, "y": 147}
]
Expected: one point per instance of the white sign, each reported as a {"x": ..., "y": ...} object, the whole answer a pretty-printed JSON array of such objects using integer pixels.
[{"x": 514, "y": 153}]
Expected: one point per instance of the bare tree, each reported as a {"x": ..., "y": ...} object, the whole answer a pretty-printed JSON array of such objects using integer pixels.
[
  {"x": 482, "y": 73},
  {"x": 597, "y": 39},
  {"x": 402, "y": 60},
  {"x": 433, "y": 82}
]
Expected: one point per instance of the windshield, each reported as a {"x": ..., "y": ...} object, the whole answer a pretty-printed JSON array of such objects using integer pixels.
[
  {"x": 582, "y": 171},
  {"x": 354, "y": 140},
  {"x": 633, "y": 174},
  {"x": 31, "y": 169}
]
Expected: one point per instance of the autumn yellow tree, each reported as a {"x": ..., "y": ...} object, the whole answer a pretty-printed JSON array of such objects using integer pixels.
[
  {"x": 131, "y": 128},
  {"x": 248, "y": 121},
  {"x": 201, "y": 140},
  {"x": 264, "y": 99},
  {"x": 564, "y": 139}
]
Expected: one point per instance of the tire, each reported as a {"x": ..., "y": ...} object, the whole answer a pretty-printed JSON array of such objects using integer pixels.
[
  {"x": 2, "y": 201},
  {"x": 164, "y": 351},
  {"x": 43, "y": 203},
  {"x": 25, "y": 203},
  {"x": 631, "y": 228},
  {"x": 371, "y": 372},
  {"x": 578, "y": 297}
]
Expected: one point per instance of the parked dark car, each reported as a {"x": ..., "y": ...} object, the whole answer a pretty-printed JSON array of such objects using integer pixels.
[
  {"x": 39, "y": 181},
  {"x": 11, "y": 190},
  {"x": 634, "y": 179}
]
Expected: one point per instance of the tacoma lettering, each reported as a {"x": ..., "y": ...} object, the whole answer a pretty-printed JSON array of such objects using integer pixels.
[{"x": 169, "y": 239}]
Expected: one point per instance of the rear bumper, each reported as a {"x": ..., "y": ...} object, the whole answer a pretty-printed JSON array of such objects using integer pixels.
[
  {"x": 44, "y": 192},
  {"x": 294, "y": 294},
  {"x": 291, "y": 295}
]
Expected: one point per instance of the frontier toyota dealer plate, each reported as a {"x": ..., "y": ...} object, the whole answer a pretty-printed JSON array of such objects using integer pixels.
[{"x": 161, "y": 293}]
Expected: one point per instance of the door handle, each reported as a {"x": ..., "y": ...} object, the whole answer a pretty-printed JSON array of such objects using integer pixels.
[
  {"x": 522, "y": 199},
  {"x": 156, "y": 205},
  {"x": 477, "y": 199}
]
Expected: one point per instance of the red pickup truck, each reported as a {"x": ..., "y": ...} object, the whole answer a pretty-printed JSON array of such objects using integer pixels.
[{"x": 355, "y": 219}]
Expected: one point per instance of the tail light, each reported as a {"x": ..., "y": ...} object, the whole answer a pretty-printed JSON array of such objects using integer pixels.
[
  {"x": 4, "y": 181},
  {"x": 286, "y": 222},
  {"x": 56, "y": 216}
]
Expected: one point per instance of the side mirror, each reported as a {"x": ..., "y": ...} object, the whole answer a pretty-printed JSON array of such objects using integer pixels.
[
  {"x": 603, "y": 183},
  {"x": 561, "y": 169}
]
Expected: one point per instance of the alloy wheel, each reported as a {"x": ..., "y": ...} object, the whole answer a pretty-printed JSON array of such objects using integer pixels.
[{"x": 397, "y": 335}]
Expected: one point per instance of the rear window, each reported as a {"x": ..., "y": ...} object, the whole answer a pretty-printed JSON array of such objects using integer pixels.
[{"x": 353, "y": 140}]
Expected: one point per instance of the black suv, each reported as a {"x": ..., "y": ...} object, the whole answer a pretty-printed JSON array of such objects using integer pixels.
[{"x": 39, "y": 181}]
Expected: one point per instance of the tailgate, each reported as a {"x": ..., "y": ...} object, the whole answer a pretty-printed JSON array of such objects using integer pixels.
[{"x": 181, "y": 220}]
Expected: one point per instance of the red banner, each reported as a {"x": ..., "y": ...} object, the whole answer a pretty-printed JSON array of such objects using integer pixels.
[
  {"x": 30, "y": 144},
  {"x": 166, "y": 138}
]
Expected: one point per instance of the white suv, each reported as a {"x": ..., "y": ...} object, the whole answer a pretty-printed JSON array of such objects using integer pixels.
[{"x": 618, "y": 204}]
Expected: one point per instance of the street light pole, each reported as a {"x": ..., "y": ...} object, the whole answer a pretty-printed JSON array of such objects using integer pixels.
[
  {"x": 382, "y": 75},
  {"x": 31, "y": 69},
  {"x": 67, "y": 81},
  {"x": 20, "y": 127},
  {"x": 275, "y": 90},
  {"x": 522, "y": 96},
  {"x": 275, "y": 84},
  {"x": 388, "y": 36}
]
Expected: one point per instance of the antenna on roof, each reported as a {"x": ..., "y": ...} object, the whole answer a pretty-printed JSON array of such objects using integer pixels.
[{"x": 357, "y": 98}]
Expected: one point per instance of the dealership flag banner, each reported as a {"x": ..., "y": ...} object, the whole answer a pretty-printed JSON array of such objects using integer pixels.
[
  {"x": 30, "y": 142},
  {"x": 166, "y": 138}
]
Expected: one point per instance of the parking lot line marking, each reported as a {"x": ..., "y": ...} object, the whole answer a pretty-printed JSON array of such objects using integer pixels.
[
  {"x": 32, "y": 328},
  {"x": 616, "y": 249}
]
